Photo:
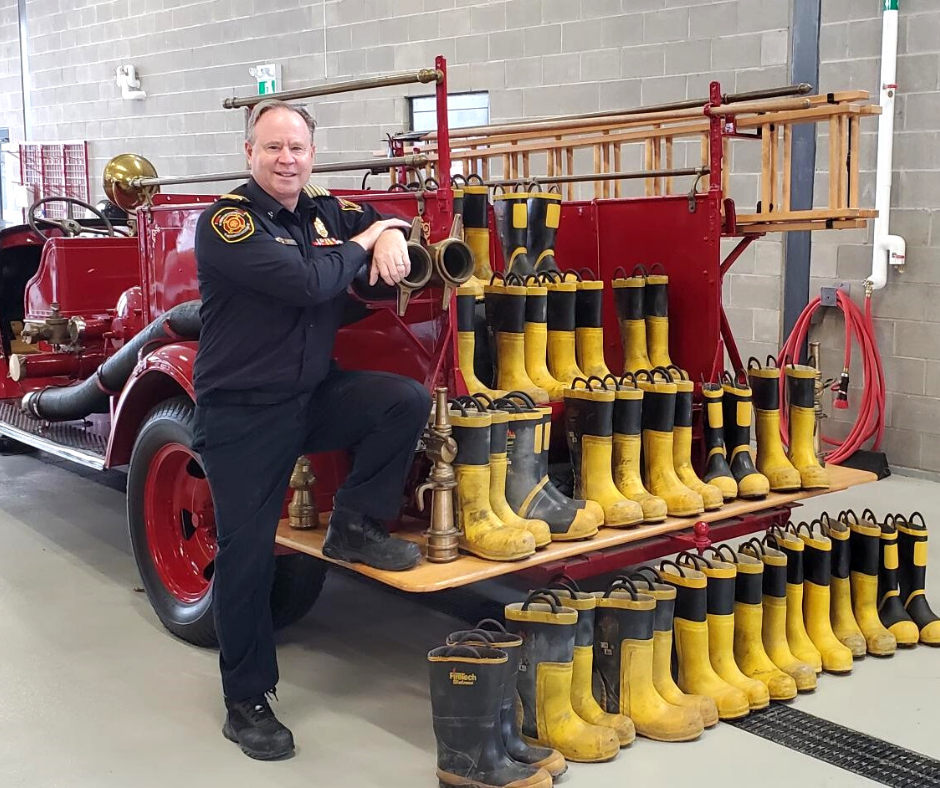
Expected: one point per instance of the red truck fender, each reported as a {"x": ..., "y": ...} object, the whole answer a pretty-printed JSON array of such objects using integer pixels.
[{"x": 166, "y": 372}]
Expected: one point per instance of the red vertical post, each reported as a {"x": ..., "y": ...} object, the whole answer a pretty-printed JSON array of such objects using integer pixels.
[
  {"x": 443, "y": 146},
  {"x": 715, "y": 142}
]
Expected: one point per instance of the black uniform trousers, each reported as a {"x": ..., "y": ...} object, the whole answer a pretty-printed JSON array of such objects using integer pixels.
[{"x": 249, "y": 452}]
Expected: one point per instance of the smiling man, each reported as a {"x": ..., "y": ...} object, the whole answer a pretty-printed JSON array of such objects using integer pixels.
[{"x": 274, "y": 264}]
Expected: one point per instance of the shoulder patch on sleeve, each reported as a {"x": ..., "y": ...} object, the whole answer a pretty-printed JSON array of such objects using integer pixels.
[
  {"x": 233, "y": 224},
  {"x": 312, "y": 190},
  {"x": 235, "y": 197},
  {"x": 346, "y": 205}
]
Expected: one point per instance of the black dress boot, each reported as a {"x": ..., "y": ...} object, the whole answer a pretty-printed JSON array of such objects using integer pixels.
[
  {"x": 252, "y": 725},
  {"x": 358, "y": 538}
]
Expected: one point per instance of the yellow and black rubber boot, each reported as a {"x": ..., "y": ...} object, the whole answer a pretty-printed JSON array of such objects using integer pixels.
[
  {"x": 801, "y": 381},
  {"x": 492, "y": 634},
  {"x": 589, "y": 328},
  {"x": 628, "y": 440},
  {"x": 648, "y": 581},
  {"x": 712, "y": 496},
  {"x": 656, "y": 313},
  {"x": 771, "y": 459},
  {"x": 628, "y": 298},
  {"x": 466, "y": 696},
  {"x": 476, "y": 226},
  {"x": 512, "y": 222},
  {"x": 736, "y": 400},
  {"x": 589, "y": 428},
  {"x": 864, "y": 539},
  {"x": 717, "y": 472},
  {"x": 773, "y": 630},
  {"x": 623, "y": 653},
  {"x": 696, "y": 675},
  {"x": 474, "y": 284},
  {"x": 544, "y": 216},
  {"x": 844, "y": 625},
  {"x": 562, "y": 362},
  {"x": 817, "y": 602},
  {"x": 912, "y": 576},
  {"x": 890, "y": 607},
  {"x": 659, "y": 472},
  {"x": 548, "y": 630},
  {"x": 721, "y": 631},
  {"x": 505, "y": 317},
  {"x": 529, "y": 491},
  {"x": 800, "y": 644},
  {"x": 482, "y": 533},
  {"x": 582, "y": 695},
  {"x": 536, "y": 340},
  {"x": 466, "y": 345}
]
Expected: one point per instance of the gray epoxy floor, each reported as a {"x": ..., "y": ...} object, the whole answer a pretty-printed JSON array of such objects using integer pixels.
[{"x": 94, "y": 693}]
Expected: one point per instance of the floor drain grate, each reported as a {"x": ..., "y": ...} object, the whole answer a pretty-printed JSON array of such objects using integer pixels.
[{"x": 848, "y": 749}]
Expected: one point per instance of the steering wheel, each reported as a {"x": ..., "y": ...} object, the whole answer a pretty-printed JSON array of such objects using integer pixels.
[{"x": 70, "y": 227}]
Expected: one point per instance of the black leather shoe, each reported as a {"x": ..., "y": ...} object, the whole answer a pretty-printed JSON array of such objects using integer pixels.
[
  {"x": 358, "y": 538},
  {"x": 252, "y": 725}
]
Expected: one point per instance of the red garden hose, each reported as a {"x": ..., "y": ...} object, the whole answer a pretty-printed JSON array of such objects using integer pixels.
[{"x": 870, "y": 422}]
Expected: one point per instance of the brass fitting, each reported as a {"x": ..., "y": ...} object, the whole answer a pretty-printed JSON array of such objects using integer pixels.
[
  {"x": 302, "y": 510},
  {"x": 441, "y": 449}
]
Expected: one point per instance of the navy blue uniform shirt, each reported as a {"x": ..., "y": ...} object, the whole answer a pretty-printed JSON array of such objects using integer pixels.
[{"x": 273, "y": 285}]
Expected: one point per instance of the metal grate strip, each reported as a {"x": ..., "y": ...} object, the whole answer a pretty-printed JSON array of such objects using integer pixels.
[
  {"x": 843, "y": 747},
  {"x": 84, "y": 441}
]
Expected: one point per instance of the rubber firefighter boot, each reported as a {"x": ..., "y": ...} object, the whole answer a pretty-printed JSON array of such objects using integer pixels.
[
  {"x": 696, "y": 675},
  {"x": 561, "y": 331},
  {"x": 466, "y": 696},
  {"x": 498, "y": 467},
  {"x": 771, "y": 459},
  {"x": 482, "y": 533},
  {"x": 720, "y": 617},
  {"x": 536, "y": 342},
  {"x": 737, "y": 404},
  {"x": 544, "y": 216},
  {"x": 665, "y": 596},
  {"x": 466, "y": 345},
  {"x": 589, "y": 328},
  {"x": 528, "y": 489},
  {"x": 659, "y": 415},
  {"x": 717, "y": 472},
  {"x": 817, "y": 563},
  {"x": 512, "y": 223},
  {"x": 844, "y": 625},
  {"x": 548, "y": 633},
  {"x": 582, "y": 694},
  {"x": 712, "y": 496},
  {"x": 628, "y": 440},
  {"x": 491, "y": 634},
  {"x": 656, "y": 313},
  {"x": 749, "y": 651},
  {"x": 797, "y": 636},
  {"x": 890, "y": 607},
  {"x": 912, "y": 576},
  {"x": 589, "y": 425},
  {"x": 774, "y": 610},
  {"x": 476, "y": 229},
  {"x": 623, "y": 653},
  {"x": 505, "y": 305},
  {"x": 864, "y": 541},
  {"x": 800, "y": 384},
  {"x": 628, "y": 298}
]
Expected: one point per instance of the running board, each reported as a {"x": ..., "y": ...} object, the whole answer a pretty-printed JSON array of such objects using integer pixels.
[{"x": 83, "y": 442}]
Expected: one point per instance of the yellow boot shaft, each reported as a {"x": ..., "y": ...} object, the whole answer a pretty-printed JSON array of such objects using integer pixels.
[
  {"x": 482, "y": 532},
  {"x": 510, "y": 352},
  {"x": 584, "y": 703},
  {"x": 698, "y": 677},
  {"x": 666, "y": 686},
  {"x": 589, "y": 344},
  {"x": 653, "y": 716},
  {"x": 797, "y": 636},
  {"x": 772, "y": 461},
  {"x": 721, "y": 640},
  {"x": 802, "y": 453},
  {"x": 633, "y": 337},
  {"x": 712, "y": 497},
  {"x": 561, "y": 357},
  {"x": 539, "y": 529},
  {"x": 478, "y": 239},
  {"x": 657, "y": 340},
  {"x": 536, "y": 366},
  {"x": 844, "y": 625},
  {"x": 836, "y": 658},
  {"x": 597, "y": 484},
  {"x": 774, "y": 638},
  {"x": 880, "y": 641},
  {"x": 626, "y": 475},
  {"x": 466, "y": 343},
  {"x": 661, "y": 478},
  {"x": 751, "y": 656}
]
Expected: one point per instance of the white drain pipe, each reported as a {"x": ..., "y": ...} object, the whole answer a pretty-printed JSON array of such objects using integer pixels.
[{"x": 887, "y": 249}]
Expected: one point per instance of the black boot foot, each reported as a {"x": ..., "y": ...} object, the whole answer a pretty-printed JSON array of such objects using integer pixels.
[
  {"x": 358, "y": 538},
  {"x": 252, "y": 725}
]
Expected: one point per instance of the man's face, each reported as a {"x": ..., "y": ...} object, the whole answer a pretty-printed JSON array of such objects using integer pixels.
[{"x": 281, "y": 157}]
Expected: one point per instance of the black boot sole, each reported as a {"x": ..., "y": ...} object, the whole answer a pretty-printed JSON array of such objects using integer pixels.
[
  {"x": 258, "y": 755},
  {"x": 352, "y": 556}
]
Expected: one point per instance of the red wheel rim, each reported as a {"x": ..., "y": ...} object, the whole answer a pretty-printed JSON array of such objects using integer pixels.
[{"x": 180, "y": 522}]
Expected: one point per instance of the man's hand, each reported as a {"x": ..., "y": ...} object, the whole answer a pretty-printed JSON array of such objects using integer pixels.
[
  {"x": 368, "y": 237},
  {"x": 389, "y": 258}
]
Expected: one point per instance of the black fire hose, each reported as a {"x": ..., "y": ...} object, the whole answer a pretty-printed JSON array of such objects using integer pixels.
[{"x": 66, "y": 403}]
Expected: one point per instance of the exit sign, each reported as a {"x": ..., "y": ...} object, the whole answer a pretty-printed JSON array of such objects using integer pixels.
[{"x": 268, "y": 77}]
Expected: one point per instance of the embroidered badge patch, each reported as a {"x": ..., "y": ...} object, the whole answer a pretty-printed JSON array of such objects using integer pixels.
[
  {"x": 346, "y": 205},
  {"x": 320, "y": 228},
  {"x": 233, "y": 224}
]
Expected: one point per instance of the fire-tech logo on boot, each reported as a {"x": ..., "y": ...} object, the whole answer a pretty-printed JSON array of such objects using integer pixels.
[{"x": 458, "y": 677}]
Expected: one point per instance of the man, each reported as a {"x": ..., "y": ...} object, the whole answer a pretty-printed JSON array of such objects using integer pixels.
[{"x": 274, "y": 265}]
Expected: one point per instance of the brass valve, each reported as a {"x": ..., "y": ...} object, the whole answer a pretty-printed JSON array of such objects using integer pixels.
[
  {"x": 54, "y": 329},
  {"x": 441, "y": 449},
  {"x": 302, "y": 510}
]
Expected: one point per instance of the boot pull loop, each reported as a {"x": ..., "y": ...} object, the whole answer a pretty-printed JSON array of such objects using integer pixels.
[
  {"x": 889, "y": 523},
  {"x": 627, "y": 376},
  {"x": 476, "y": 178},
  {"x": 923, "y": 522},
  {"x": 571, "y": 272},
  {"x": 753, "y": 545},
  {"x": 725, "y": 377},
  {"x": 778, "y": 534},
  {"x": 650, "y": 570},
  {"x": 497, "y": 275},
  {"x": 740, "y": 379},
  {"x": 613, "y": 378},
  {"x": 622, "y": 583},
  {"x": 463, "y": 651},
  {"x": 535, "y": 279},
  {"x": 647, "y": 375},
  {"x": 622, "y": 273},
  {"x": 641, "y": 268},
  {"x": 868, "y": 514},
  {"x": 683, "y": 375},
  {"x": 477, "y": 637},
  {"x": 459, "y": 405},
  {"x": 491, "y": 624},
  {"x": 565, "y": 582},
  {"x": 845, "y": 513},
  {"x": 667, "y": 378},
  {"x": 545, "y": 595},
  {"x": 694, "y": 561},
  {"x": 507, "y": 404},
  {"x": 518, "y": 187},
  {"x": 600, "y": 381},
  {"x": 791, "y": 527},
  {"x": 753, "y": 363},
  {"x": 470, "y": 400},
  {"x": 679, "y": 569},
  {"x": 585, "y": 381},
  {"x": 801, "y": 526},
  {"x": 731, "y": 553},
  {"x": 534, "y": 186},
  {"x": 515, "y": 280},
  {"x": 771, "y": 362},
  {"x": 549, "y": 276},
  {"x": 814, "y": 522},
  {"x": 657, "y": 267},
  {"x": 586, "y": 274},
  {"x": 825, "y": 523},
  {"x": 483, "y": 397},
  {"x": 553, "y": 188},
  {"x": 456, "y": 179},
  {"x": 520, "y": 395}
]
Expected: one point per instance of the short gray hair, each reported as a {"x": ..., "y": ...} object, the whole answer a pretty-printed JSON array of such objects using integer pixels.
[{"x": 266, "y": 106}]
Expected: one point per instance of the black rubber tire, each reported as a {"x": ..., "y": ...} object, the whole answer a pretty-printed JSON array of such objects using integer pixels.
[{"x": 298, "y": 580}]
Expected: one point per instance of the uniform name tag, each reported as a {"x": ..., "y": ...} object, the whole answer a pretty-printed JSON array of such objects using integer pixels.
[{"x": 286, "y": 241}]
